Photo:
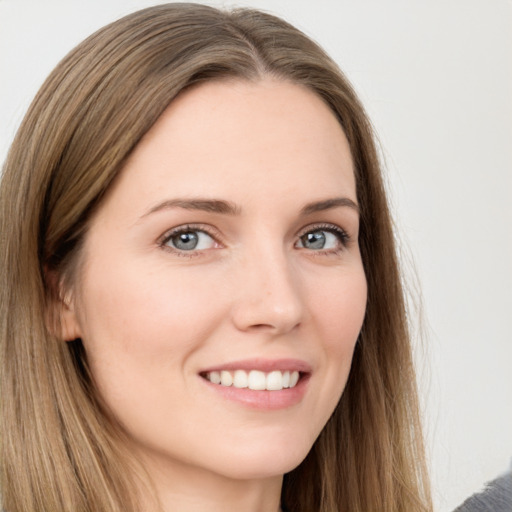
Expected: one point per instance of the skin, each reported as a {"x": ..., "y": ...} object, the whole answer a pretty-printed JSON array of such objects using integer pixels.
[{"x": 152, "y": 316}]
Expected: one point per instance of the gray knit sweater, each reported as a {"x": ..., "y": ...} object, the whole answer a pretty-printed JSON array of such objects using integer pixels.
[{"x": 496, "y": 497}]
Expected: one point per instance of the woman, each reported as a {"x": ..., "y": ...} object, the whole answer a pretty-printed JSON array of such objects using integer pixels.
[{"x": 201, "y": 303}]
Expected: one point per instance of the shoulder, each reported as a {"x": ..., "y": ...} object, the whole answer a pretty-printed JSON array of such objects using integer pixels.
[{"x": 496, "y": 497}]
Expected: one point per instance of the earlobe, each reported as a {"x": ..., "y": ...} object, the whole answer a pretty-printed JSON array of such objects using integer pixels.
[
  {"x": 62, "y": 321},
  {"x": 68, "y": 324}
]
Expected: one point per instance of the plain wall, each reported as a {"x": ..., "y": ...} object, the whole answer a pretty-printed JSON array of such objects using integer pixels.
[{"x": 436, "y": 78}]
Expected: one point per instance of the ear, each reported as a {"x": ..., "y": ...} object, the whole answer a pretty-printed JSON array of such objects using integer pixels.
[
  {"x": 68, "y": 321},
  {"x": 61, "y": 314}
]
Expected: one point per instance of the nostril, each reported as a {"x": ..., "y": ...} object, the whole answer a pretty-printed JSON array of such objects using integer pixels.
[{"x": 275, "y": 327}]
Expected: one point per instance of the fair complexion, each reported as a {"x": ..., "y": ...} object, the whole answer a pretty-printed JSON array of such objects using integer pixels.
[{"x": 227, "y": 249}]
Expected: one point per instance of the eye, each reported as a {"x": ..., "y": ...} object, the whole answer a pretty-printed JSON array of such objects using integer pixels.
[
  {"x": 330, "y": 238},
  {"x": 189, "y": 239}
]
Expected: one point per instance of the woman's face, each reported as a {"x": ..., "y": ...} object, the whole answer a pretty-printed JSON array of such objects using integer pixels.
[{"x": 227, "y": 250}]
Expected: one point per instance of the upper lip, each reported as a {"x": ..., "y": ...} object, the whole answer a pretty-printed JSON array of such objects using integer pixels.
[{"x": 263, "y": 365}]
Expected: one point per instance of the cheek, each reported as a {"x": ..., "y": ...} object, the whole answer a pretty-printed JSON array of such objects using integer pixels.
[
  {"x": 339, "y": 307},
  {"x": 137, "y": 310},
  {"x": 339, "y": 311},
  {"x": 137, "y": 323},
  {"x": 141, "y": 330}
]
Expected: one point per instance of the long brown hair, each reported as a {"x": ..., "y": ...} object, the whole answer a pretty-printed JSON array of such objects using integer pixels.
[{"x": 59, "y": 450}]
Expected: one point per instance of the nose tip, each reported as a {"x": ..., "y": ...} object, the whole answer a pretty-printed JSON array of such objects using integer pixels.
[{"x": 268, "y": 298}]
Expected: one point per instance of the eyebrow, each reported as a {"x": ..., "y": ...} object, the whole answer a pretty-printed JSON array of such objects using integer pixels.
[
  {"x": 205, "y": 205},
  {"x": 229, "y": 208},
  {"x": 329, "y": 204}
]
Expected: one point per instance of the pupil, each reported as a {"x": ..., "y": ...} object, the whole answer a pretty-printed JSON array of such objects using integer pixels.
[
  {"x": 315, "y": 240},
  {"x": 186, "y": 241}
]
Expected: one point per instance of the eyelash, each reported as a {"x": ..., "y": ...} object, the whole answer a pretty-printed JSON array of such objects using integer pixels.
[{"x": 341, "y": 234}]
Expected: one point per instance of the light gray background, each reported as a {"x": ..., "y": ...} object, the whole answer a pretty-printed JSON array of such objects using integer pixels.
[{"x": 436, "y": 78}]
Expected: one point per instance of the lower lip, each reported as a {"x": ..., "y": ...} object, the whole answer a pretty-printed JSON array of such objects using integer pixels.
[{"x": 262, "y": 400}]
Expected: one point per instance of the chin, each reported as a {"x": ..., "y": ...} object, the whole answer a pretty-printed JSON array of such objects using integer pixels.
[{"x": 276, "y": 460}]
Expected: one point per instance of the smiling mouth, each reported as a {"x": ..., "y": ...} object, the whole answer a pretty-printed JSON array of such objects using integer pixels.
[{"x": 254, "y": 379}]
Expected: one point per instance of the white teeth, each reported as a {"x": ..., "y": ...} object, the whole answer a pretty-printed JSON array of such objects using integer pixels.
[
  {"x": 240, "y": 379},
  {"x": 286, "y": 379},
  {"x": 255, "y": 379},
  {"x": 226, "y": 379},
  {"x": 275, "y": 381},
  {"x": 215, "y": 377}
]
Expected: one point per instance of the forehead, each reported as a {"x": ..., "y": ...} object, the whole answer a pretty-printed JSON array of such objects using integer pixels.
[{"x": 244, "y": 138}]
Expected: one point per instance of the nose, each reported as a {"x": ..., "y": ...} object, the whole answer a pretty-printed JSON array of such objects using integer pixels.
[{"x": 268, "y": 293}]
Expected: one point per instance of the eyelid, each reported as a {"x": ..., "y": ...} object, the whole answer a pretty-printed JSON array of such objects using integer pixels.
[{"x": 328, "y": 226}]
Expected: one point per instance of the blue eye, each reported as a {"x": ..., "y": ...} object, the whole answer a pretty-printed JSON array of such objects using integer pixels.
[
  {"x": 323, "y": 239},
  {"x": 189, "y": 240}
]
